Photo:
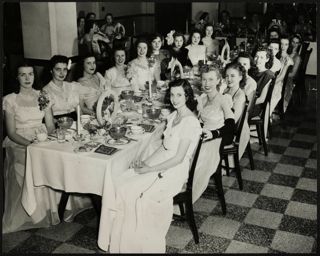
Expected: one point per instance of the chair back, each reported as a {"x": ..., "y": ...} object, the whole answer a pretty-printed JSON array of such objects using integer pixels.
[
  {"x": 241, "y": 121},
  {"x": 303, "y": 50},
  {"x": 193, "y": 165},
  {"x": 303, "y": 65},
  {"x": 285, "y": 79}
]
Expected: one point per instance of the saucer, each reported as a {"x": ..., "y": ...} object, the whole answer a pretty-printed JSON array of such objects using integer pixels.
[
  {"x": 142, "y": 131},
  {"x": 121, "y": 141}
]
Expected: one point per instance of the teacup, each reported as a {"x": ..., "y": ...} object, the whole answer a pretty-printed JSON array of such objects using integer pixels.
[{"x": 42, "y": 136}]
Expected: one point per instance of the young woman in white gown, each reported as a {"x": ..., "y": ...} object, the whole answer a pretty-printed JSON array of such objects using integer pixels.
[
  {"x": 144, "y": 194},
  {"x": 116, "y": 75},
  {"x": 139, "y": 69},
  {"x": 196, "y": 51},
  {"x": 93, "y": 84},
  {"x": 23, "y": 119},
  {"x": 218, "y": 121}
]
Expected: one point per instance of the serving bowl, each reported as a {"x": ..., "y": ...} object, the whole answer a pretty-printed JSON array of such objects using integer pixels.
[
  {"x": 65, "y": 122},
  {"x": 127, "y": 94},
  {"x": 153, "y": 113},
  {"x": 117, "y": 132}
]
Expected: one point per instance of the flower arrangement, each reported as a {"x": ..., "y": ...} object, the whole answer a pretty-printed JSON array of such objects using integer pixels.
[
  {"x": 43, "y": 100},
  {"x": 130, "y": 72},
  {"x": 169, "y": 37}
]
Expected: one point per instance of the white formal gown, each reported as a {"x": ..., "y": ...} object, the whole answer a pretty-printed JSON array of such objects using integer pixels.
[{"x": 144, "y": 202}]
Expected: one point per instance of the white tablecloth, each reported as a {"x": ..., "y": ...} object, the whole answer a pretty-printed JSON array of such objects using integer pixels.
[{"x": 55, "y": 165}]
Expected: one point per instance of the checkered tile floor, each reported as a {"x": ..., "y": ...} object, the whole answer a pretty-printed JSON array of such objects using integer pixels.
[{"x": 275, "y": 212}]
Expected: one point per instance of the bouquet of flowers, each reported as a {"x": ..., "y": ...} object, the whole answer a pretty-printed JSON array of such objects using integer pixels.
[
  {"x": 43, "y": 100},
  {"x": 169, "y": 37},
  {"x": 130, "y": 72}
]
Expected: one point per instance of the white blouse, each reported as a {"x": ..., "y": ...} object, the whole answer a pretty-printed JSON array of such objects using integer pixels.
[{"x": 64, "y": 99}]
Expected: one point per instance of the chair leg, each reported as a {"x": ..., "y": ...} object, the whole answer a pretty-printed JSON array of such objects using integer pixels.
[
  {"x": 62, "y": 204},
  {"x": 249, "y": 151},
  {"x": 270, "y": 130},
  {"x": 264, "y": 142},
  {"x": 191, "y": 221},
  {"x": 218, "y": 181},
  {"x": 96, "y": 201},
  {"x": 259, "y": 133},
  {"x": 238, "y": 170},
  {"x": 181, "y": 209},
  {"x": 226, "y": 160}
]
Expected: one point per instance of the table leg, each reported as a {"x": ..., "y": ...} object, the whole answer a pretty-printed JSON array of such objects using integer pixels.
[{"x": 62, "y": 204}]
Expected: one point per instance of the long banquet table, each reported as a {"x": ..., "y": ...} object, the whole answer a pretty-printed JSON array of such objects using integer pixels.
[{"x": 56, "y": 165}]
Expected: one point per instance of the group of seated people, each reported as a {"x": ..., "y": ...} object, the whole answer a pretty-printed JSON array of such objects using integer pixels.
[{"x": 157, "y": 178}]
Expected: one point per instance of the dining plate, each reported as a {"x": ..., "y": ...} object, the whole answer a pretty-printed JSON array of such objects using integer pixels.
[
  {"x": 121, "y": 141},
  {"x": 142, "y": 131}
]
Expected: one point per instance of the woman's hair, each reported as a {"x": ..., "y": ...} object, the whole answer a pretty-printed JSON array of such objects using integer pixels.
[
  {"x": 177, "y": 34},
  {"x": 247, "y": 56},
  {"x": 215, "y": 68},
  {"x": 242, "y": 71},
  {"x": 114, "y": 50},
  {"x": 268, "y": 54},
  {"x": 89, "y": 14},
  {"x": 204, "y": 15},
  {"x": 58, "y": 59},
  {"x": 108, "y": 14},
  {"x": 143, "y": 40},
  {"x": 191, "y": 103},
  {"x": 286, "y": 36},
  {"x": 23, "y": 64},
  {"x": 155, "y": 36},
  {"x": 89, "y": 25},
  {"x": 276, "y": 41},
  {"x": 79, "y": 19},
  {"x": 298, "y": 36}
]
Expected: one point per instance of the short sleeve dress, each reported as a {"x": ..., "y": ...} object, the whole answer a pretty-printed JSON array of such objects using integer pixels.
[
  {"x": 66, "y": 98},
  {"x": 28, "y": 118}
]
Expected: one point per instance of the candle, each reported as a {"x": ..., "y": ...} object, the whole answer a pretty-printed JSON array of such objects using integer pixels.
[
  {"x": 150, "y": 90},
  {"x": 78, "y": 120}
]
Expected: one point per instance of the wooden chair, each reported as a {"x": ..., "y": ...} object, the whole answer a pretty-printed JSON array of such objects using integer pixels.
[
  {"x": 300, "y": 88},
  {"x": 233, "y": 149},
  {"x": 259, "y": 120},
  {"x": 280, "y": 104},
  {"x": 184, "y": 198}
]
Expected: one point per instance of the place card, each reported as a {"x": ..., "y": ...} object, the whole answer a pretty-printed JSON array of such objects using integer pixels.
[
  {"x": 148, "y": 127},
  {"x": 102, "y": 149}
]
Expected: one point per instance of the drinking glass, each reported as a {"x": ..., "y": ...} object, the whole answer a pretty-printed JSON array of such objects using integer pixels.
[{"x": 61, "y": 135}]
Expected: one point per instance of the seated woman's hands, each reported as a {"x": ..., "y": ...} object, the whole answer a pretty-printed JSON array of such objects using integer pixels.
[
  {"x": 207, "y": 134},
  {"x": 140, "y": 166}
]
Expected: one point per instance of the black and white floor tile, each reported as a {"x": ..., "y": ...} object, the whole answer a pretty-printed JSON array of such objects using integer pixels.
[{"x": 276, "y": 212}]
